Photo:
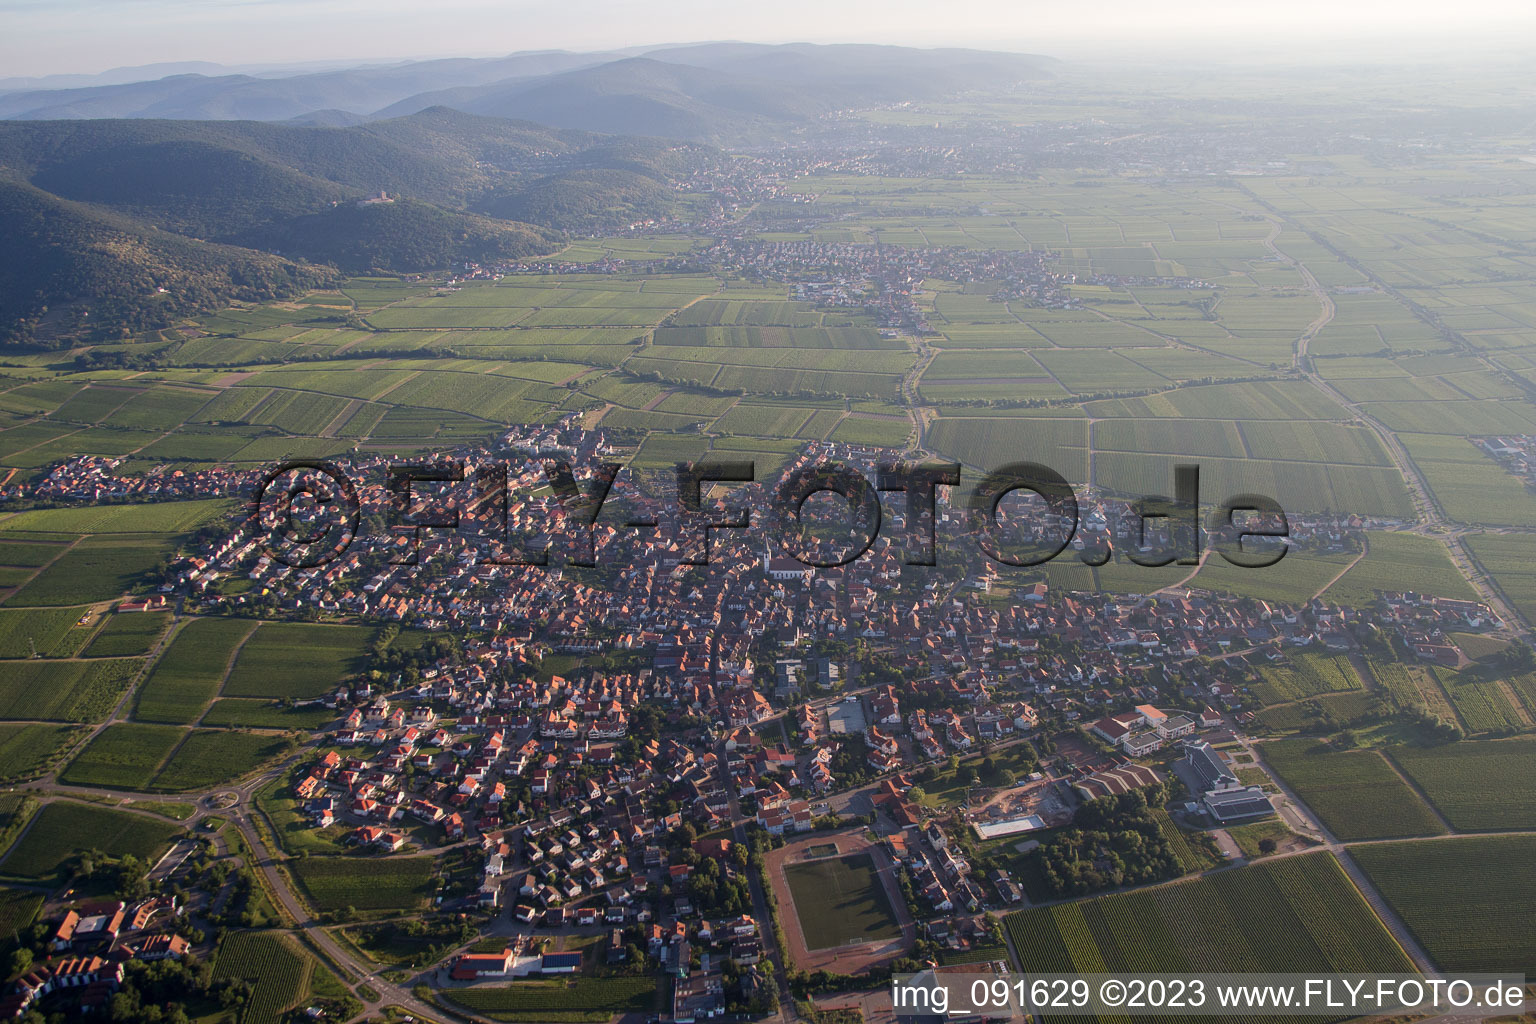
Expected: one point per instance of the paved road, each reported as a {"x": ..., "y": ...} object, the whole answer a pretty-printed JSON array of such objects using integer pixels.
[{"x": 237, "y": 805}]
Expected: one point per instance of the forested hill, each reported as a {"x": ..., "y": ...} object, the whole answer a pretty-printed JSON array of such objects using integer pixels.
[
  {"x": 110, "y": 212},
  {"x": 406, "y": 236},
  {"x": 68, "y": 270}
]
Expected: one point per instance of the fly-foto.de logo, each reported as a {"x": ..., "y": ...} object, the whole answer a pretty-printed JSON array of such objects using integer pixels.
[{"x": 306, "y": 514}]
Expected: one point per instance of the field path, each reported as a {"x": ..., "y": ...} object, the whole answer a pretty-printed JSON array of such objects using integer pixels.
[
  {"x": 1205, "y": 552},
  {"x": 396, "y": 385},
  {"x": 662, "y": 397},
  {"x": 908, "y": 389},
  {"x": 342, "y": 417},
  {"x": 1431, "y": 515},
  {"x": 1418, "y": 791},
  {"x": 1365, "y": 546},
  {"x": 1388, "y": 917},
  {"x": 229, "y": 666}
]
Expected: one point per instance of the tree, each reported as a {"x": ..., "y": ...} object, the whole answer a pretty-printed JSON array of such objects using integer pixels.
[
  {"x": 21, "y": 961},
  {"x": 1268, "y": 846},
  {"x": 1518, "y": 657}
]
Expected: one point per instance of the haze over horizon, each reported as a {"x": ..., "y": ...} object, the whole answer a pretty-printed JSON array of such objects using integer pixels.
[{"x": 49, "y": 37}]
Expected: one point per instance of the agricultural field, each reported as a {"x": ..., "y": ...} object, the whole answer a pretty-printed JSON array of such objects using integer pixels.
[
  {"x": 240, "y": 712},
  {"x": 1294, "y": 914},
  {"x": 161, "y": 517},
  {"x": 1304, "y": 675},
  {"x": 1511, "y": 560},
  {"x": 33, "y": 553},
  {"x": 976, "y": 955},
  {"x": 99, "y": 568},
  {"x": 1468, "y": 485},
  {"x": 1298, "y": 576},
  {"x": 18, "y": 909},
  {"x": 48, "y": 632},
  {"x": 1412, "y": 687},
  {"x": 27, "y": 750},
  {"x": 1213, "y": 438},
  {"x": 1458, "y": 779},
  {"x": 577, "y": 1001},
  {"x": 65, "y": 691},
  {"x": 1191, "y": 857},
  {"x": 278, "y": 971},
  {"x": 16, "y": 809},
  {"x": 840, "y": 900},
  {"x": 267, "y": 667},
  {"x": 1356, "y": 793},
  {"x": 188, "y": 674},
  {"x": 1298, "y": 486},
  {"x": 1397, "y": 563},
  {"x": 1467, "y": 900},
  {"x": 125, "y": 755},
  {"x": 64, "y": 829},
  {"x": 987, "y": 442},
  {"x": 882, "y": 431},
  {"x": 1485, "y": 702},
  {"x": 210, "y": 757},
  {"x": 397, "y": 884},
  {"x": 128, "y": 635},
  {"x": 1318, "y": 714}
]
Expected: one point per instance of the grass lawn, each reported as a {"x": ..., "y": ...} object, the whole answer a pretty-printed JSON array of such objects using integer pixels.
[
  {"x": 1248, "y": 837},
  {"x": 294, "y": 832},
  {"x": 840, "y": 900}
]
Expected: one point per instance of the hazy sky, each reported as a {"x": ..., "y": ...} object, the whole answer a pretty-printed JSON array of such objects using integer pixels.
[{"x": 39, "y": 37}]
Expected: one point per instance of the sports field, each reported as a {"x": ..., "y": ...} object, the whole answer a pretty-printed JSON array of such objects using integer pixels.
[{"x": 840, "y": 900}]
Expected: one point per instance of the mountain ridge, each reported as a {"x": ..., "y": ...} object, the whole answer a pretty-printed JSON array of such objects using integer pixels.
[{"x": 699, "y": 92}]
